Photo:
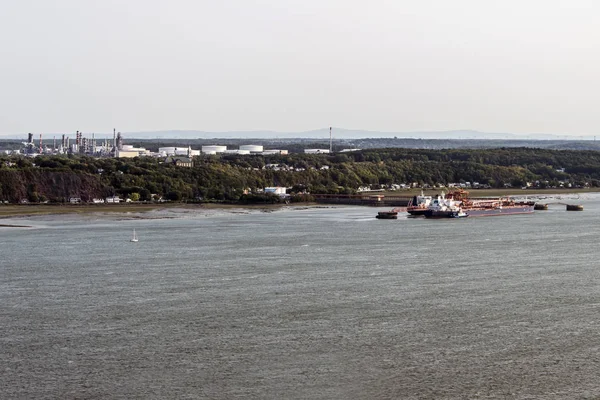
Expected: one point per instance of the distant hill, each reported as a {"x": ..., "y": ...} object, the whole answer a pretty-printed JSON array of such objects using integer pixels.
[
  {"x": 317, "y": 134},
  {"x": 340, "y": 133}
]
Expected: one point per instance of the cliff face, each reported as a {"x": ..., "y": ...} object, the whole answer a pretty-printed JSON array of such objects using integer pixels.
[{"x": 35, "y": 185}]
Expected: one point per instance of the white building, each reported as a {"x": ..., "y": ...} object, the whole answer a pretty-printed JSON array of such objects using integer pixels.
[
  {"x": 280, "y": 190},
  {"x": 127, "y": 154},
  {"x": 128, "y": 151},
  {"x": 316, "y": 151},
  {"x": 178, "y": 151},
  {"x": 269, "y": 152}
]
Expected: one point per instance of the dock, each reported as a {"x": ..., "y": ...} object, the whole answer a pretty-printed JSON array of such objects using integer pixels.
[{"x": 377, "y": 200}]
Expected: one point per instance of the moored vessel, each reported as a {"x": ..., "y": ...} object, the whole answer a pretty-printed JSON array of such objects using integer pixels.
[
  {"x": 490, "y": 207},
  {"x": 418, "y": 205},
  {"x": 445, "y": 207}
]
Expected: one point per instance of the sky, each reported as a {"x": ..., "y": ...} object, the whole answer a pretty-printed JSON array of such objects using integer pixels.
[{"x": 526, "y": 66}]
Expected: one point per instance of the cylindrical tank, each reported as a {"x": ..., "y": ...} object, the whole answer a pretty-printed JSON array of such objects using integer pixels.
[
  {"x": 215, "y": 148},
  {"x": 574, "y": 207},
  {"x": 236, "y": 152},
  {"x": 181, "y": 151},
  {"x": 167, "y": 150},
  {"x": 252, "y": 148}
]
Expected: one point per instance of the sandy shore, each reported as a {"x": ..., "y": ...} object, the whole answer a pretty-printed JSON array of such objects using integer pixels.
[
  {"x": 32, "y": 210},
  {"x": 28, "y": 210}
]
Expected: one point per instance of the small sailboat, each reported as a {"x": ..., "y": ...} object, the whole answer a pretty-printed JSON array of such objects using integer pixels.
[{"x": 134, "y": 238}]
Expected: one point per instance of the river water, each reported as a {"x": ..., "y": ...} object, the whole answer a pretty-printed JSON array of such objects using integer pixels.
[{"x": 301, "y": 303}]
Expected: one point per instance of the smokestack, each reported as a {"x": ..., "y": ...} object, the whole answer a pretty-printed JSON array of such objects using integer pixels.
[
  {"x": 40, "y": 143},
  {"x": 330, "y": 141}
]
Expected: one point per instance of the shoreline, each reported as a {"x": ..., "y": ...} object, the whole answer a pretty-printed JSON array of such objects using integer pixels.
[
  {"x": 33, "y": 210},
  {"x": 14, "y": 226}
]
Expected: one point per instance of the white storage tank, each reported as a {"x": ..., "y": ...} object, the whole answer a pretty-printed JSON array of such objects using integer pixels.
[
  {"x": 236, "y": 152},
  {"x": 167, "y": 150},
  {"x": 215, "y": 148},
  {"x": 252, "y": 148}
]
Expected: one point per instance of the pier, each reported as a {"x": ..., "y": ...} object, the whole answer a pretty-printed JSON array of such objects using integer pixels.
[{"x": 377, "y": 200}]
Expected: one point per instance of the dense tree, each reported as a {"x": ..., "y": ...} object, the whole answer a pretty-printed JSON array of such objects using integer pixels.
[{"x": 227, "y": 177}]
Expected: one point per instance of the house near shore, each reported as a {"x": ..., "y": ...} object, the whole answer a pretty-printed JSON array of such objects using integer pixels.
[{"x": 278, "y": 190}]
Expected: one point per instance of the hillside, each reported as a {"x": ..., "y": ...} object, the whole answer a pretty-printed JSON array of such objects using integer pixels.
[{"x": 228, "y": 177}]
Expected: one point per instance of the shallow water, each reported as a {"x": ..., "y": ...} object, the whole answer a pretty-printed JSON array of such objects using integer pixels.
[{"x": 320, "y": 303}]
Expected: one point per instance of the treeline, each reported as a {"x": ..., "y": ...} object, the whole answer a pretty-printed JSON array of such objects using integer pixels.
[{"x": 237, "y": 177}]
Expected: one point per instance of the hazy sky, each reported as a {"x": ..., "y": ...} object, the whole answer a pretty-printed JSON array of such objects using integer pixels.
[{"x": 520, "y": 66}]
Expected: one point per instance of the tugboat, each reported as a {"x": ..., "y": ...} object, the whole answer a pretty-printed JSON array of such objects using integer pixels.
[
  {"x": 387, "y": 215},
  {"x": 393, "y": 214}
]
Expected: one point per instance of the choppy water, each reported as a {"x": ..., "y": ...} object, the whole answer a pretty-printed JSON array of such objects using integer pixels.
[{"x": 317, "y": 303}]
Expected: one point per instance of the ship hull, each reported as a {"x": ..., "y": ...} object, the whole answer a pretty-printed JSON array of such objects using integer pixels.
[
  {"x": 416, "y": 211},
  {"x": 445, "y": 214}
]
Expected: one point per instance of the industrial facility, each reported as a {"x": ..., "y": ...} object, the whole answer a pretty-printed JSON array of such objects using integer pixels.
[{"x": 114, "y": 147}]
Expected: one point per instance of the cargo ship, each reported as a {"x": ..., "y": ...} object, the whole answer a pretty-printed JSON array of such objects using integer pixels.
[
  {"x": 445, "y": 207},
  {"x": 418, "y": 205},
  {"x": 487, "y": 207}
]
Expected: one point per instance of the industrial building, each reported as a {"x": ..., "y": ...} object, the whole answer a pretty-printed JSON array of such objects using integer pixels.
[
  {"x": 178, "y": 151},
  {"x": 316, "y": 151}
]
